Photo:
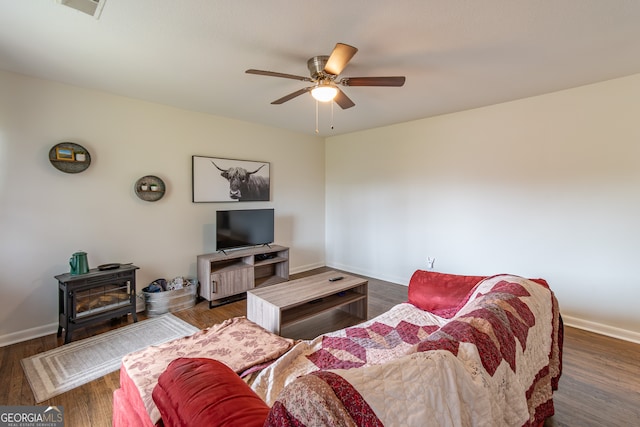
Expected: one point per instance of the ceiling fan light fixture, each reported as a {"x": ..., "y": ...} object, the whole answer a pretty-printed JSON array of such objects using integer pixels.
[
  {"x": 323, "y": 71},
  {"x": 324, "y": 92}
]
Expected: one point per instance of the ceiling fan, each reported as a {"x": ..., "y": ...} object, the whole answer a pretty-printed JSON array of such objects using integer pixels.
[{"x": 324, "y": 72}]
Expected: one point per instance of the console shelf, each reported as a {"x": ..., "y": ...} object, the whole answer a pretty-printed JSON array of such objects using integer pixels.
[
  {"x": 275, "y": 260},
  {"x": 313, "y": 308},
  {"x": 223, "y": 275}
]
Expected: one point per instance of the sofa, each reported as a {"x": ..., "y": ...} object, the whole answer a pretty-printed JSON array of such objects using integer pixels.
[{"x": 462, "y": 351}]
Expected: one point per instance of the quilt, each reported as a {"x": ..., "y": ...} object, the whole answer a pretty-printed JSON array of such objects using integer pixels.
[
  {"x": 238, "y": 343},
  {"x": 496, "y": 362}
]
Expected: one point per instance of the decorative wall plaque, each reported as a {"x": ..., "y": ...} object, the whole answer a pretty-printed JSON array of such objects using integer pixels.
[
  {"x": 69, "y": 157},
  {"x": 150, "y": 188}
]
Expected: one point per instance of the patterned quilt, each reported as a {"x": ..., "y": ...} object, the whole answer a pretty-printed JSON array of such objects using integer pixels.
[
  {"x": 496, "y": 362},
  {"x": 238, "y": 343}
]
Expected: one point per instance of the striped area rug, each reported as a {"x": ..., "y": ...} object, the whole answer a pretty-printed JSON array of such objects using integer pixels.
[{"x": 72, "y": 365}]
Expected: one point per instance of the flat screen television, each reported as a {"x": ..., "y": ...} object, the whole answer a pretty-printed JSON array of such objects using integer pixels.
[{"x": 243, "y": 227}]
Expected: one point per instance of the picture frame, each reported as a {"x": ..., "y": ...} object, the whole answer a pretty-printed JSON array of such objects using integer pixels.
[
  {"x": 65, "y": 154},
  {"x": 217, "y": 179}
]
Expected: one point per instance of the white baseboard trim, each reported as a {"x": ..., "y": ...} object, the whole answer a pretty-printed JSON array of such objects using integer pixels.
[
  {"x": 599, "y": 328},
  {"x": 392, "y": 279},
  {"x": 28, "y": 334},
  {"x": 307, "y": 267}
]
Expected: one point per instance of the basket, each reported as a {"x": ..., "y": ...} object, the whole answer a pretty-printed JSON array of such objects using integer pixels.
[{"x": 159, "y": 303}]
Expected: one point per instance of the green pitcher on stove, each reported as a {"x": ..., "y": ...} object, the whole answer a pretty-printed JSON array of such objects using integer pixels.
[{"x": 79, "y": 263}]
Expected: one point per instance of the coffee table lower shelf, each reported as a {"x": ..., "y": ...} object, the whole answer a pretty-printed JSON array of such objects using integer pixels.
[{"x": 287, "y": 303}]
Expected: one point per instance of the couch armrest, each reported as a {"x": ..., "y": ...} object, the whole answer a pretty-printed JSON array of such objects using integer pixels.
[
  {"x": 441, "y": 293},
  {"x": 205, "y": 392}
]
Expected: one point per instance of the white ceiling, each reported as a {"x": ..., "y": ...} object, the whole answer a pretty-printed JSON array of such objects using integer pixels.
[{"x": 192, "y": 54}]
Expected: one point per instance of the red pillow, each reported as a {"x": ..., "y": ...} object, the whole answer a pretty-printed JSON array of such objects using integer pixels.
[
  {"x": 440, "y": 293},
  {"x": 206, "y": 392}
]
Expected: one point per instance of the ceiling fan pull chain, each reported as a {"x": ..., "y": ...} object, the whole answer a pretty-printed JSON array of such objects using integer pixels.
[
  {"x": 332, "y": 116},
  {"x": 317, "y": 131}
]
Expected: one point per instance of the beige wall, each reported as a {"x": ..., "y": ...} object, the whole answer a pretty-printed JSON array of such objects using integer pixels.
[
  {"x": 46, "y": 215},
  {"x": 547, "y": 186}
]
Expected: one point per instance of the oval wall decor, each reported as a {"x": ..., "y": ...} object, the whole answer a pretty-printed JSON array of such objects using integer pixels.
[
  {"x": 150, "y": 188},
  {"x": 69, "y": 157}
]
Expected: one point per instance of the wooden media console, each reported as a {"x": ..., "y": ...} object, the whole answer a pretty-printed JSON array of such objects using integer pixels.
[{"x": 226, "y": 274}]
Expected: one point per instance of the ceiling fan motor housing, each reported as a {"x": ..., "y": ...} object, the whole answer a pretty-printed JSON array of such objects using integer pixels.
[{"x": 316, "y": 67}]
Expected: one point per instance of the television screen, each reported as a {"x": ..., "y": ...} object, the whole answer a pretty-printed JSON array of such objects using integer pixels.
[{"x": 239, "y": 228}]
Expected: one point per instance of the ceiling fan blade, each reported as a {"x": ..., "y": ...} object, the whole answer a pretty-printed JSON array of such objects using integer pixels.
[
  {"x": 343, "y": 100},
  {"x": 274, "y": 74},
  {"x": 395, "y": 81},
  {"x": 339, "y": 58},
  {"x": 291, "y": 96}
]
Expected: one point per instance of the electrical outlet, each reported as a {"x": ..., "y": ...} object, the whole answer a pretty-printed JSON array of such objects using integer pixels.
[{"x": 430, "y": 262}]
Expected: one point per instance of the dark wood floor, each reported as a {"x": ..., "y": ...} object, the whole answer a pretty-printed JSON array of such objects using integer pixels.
[{"x": 600, "y": 385}]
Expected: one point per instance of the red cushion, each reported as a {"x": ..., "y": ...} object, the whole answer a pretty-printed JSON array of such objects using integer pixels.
[
  {"x": 440, "y": 293},
  {"x": 444, "y": 294},
  {"x": 205, "y": 392}
]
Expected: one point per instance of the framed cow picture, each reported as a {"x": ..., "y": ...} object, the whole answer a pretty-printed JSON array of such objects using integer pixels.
[{"x": 228, "y": 180}]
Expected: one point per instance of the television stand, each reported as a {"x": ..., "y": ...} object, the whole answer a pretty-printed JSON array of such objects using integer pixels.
[
  {"x": 227, "y": 274},
  {"x": 227, "y": 300},
  {"x": 224, "y": 251}
]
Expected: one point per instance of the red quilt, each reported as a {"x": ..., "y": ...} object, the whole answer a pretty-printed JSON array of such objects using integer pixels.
[{"x": 496, "y": 362}]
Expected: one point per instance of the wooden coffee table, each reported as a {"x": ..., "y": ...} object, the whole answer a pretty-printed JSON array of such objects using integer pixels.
[{"x": 273, "y": 307}]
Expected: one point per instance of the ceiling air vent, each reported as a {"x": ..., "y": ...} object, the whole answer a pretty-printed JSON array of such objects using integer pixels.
[{"x": 90, "y": 7}]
